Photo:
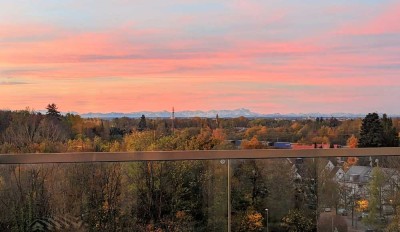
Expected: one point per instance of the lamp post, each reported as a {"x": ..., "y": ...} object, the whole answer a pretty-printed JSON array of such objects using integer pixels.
[
  {"x": 254, "y": 179},
  {"x": 266, "y": 212},
  {"x": 229, "y": 195}
]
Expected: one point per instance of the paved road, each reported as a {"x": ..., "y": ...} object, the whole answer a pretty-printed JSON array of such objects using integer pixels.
[{"x": 358, "y": 225}]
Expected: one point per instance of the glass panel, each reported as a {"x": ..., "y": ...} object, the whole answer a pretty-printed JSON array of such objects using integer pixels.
[
  {"x": 133, "y": 196},
  {"x": 277, "y": 194},
  {"x": 359, "y": 193},
  {"x": 274, "y": 194}
]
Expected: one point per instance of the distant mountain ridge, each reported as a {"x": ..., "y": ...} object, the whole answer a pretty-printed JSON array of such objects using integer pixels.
[{"x": 221, "y": 113}]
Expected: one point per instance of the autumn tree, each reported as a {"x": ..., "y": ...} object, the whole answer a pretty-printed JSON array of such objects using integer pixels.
[
  {"x": 176, "y": 196},
  {"x": 375, "y": 197},
  {"x": 352, "y": 141},
  {"x": 25, "y": 196},
  {"x": 22, "y": 131},
  {"x": 137, "y": 141},
  {"x": 351, "y": 161},
  {"x": 252, "y": 144},
  {"x": 251, "y": 221},
  {"x": 296, "y": 221},
  {"x": 328, "y": 188},
  {"x": 52, "y": 130},
  {"x": 75, "y": 122},
  {"x": 257, "y": 185}
]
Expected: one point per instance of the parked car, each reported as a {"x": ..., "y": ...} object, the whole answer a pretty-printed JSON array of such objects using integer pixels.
[
  {"x": 382, "y": 219},
  {"x": 388, "y": 209},
  {"x": 363, "y": 215},
  {"x": 342, "y": 212},
  {"x": 327, "y": 210}
]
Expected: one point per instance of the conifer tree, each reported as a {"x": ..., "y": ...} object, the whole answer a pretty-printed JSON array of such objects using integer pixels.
[
  {"x": 52, "y": 110},
  {"x": 142, "y": 124},
  {"x": 371, "y": 134},
  {"x": 390, "y": 138}
]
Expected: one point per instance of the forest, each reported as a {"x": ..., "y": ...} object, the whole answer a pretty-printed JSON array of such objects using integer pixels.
[
  {"x": 27, "y": 131},
  {"x": 174, "y": 195}
]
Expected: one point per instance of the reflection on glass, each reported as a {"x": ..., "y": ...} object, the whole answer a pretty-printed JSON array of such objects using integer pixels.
[
  {"x": 134, "y": 196},
  {"x": 277, "y": 192},
  {"x": 362, "y": 192}
]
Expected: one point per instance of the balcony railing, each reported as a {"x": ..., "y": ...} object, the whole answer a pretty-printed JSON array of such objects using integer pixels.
[{"x": 239, "y": 190}]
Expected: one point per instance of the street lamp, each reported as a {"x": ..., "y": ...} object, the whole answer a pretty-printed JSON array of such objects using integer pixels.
[
  {"x": 254, "y": 179},
  {"x": 266, "y": 210}
]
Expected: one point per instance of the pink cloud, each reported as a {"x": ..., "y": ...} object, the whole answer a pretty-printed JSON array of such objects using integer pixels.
[
  {"x": 77, "y": 69},
  {"x": 9, "y": 31},
  {"x": 387, "y": 21}
]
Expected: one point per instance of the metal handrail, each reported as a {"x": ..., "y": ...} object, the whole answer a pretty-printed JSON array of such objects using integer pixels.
[{"x": 83, "y": 157}]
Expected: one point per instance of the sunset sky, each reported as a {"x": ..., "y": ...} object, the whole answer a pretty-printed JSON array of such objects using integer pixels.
[{"x": 267, "y": 56}]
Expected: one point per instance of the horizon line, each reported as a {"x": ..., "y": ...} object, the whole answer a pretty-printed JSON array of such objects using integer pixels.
[{"x": 207, "y": 111}]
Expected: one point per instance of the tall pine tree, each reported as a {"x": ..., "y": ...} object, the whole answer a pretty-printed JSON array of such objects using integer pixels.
[
  {"x": 371, "y": 134},
  {"x": 142, "y": 124},
  {"x": 52, "y": 110},
  {"x": 376, "y": 132},
  {"x": 390, "y": 137}
]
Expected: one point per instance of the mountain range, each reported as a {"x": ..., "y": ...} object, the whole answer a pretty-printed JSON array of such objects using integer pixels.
[{"x": 221, "y": 113}]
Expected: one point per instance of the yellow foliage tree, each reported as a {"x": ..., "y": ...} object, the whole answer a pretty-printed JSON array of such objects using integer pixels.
[
  {"x": 252, "y": 221},
  {"x": 362, "y": 205},
  {"x": 138, "y": 141}
]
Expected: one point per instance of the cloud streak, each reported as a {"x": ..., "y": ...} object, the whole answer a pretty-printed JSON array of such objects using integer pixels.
[
  {"x": 12, "y": 83},
  {"x": 270, "y": 56}
]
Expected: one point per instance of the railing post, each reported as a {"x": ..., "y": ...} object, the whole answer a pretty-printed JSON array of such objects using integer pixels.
[{"x": 229, "y": 195}]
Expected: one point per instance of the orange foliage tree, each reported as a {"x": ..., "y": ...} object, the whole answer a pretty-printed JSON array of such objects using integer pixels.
[
  {"x": 352, "y": 142},
  {"x": 252, "y": 221},
  {"x": 252, "y": 144}
]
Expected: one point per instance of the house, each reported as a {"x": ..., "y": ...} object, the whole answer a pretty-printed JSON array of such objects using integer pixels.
[
  {"x": 337, "y": 173},
  {"x": 358, "y": 178},
  {"x": 329, "y": 165},
  {"x": 329, "y": 168},
  {"x": 294, "y": 168}
]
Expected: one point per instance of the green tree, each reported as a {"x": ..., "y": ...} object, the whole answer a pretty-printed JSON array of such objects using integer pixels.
[
  {"x": 296, "y": 221},
  {"x": 375, "y": 197},
  {"x": 142, "y": 124},
  {"x": 371, "y": 134},
  {"x": 390, "y": 137}
]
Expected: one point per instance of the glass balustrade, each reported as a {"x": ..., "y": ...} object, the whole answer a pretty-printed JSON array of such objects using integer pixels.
[{"x": 254, "y": 190}]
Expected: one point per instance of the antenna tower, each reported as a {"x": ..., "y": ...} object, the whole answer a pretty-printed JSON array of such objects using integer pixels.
[{"x": 173, "y": 120}]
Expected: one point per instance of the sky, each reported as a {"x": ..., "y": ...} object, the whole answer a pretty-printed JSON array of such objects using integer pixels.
[{"x": 269, "y": 56}]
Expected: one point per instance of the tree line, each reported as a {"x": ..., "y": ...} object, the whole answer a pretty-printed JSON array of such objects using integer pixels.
[
  {"x": 174, "y": 195},
  {"x": 27, "y": 131}
]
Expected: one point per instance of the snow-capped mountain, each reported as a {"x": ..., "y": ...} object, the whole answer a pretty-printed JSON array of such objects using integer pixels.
[{"x": 221, "y": 113}]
